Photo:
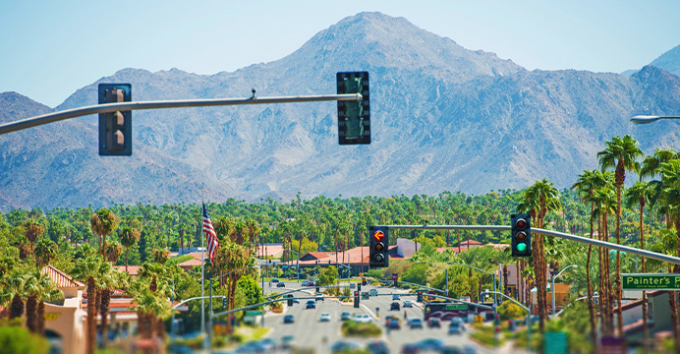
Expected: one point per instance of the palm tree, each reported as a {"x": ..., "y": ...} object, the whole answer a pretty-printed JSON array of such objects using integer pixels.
[
  {"x": 128, "y": 238},
  {"x": 504, "y": 257},
  {"x": 586, "y": 186},
  {"x": 102, "y": 223},
  {"x": 152, "y": 271},
  {"x": 604, "y": 199},
  {"x": 621, "y": 154},
  {"x": 113, "y": 251},
  {"x": 35, "y": 284},
  {"x": 32, "y": 230},
  {"x": 89, "y": 269},
  {"x": 49, "y": 294},
  {"x": 151, "y": 309},
  {"x": 45, "y": 252},
  {"x": 109, "y": 279},
  {"x": 160, "y": 255},
  {"x": 13, "y": 285},
  {"x": 638, "y": 195}
]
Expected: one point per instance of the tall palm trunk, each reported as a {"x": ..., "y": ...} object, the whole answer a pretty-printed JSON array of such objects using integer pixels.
[
  {"x": 91, "y": 316},
  {"x": 645, "y": 329},
  {"x": 603, "y": 287},
  {"x": 591, "y": 310},
  {"x": 505, "y": 280},
  {"x": 32, "y": 313},
  {"x": 41, "y": 318},
  {"x": 127, "y": 252},
  {"x": 537, "y": 274},
  {"x": 619, "y": 177},
  {"x": 105, "y": 296},
  {"x": 17, "y": 307}
]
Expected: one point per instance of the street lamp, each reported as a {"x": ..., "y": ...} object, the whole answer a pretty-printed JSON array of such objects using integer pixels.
[
  {"x": 552, "y": 290},
  {"x": 211, "y": 297},
  {"x": 447, "y": 275},
  {"x": 649, "y": 119}
]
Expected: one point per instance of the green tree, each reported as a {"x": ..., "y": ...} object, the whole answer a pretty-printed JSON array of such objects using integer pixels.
[
  {"x": 102, "y": 223},
  {"x": 45, "y": 252},
  {"x": 328, "y": 276},
  {"x": 621, "y": 154}
]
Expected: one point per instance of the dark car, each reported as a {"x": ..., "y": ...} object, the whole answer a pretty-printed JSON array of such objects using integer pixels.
[
  {"x": 451, "y": 349},
  {"x": 275, "y": 280},
  {"x": 395, "y": 306},
  {"x": 409, "y": 349},
  {"x": 288, "y": 319},
  {"x": 395, "y": 297},
  {"x": 378, "y": 347},
  {"x": 311, "y": 304},
  {"x": 344, "y": 316},
  {"x": 431, "y": 344},
  {"x": 344, "y": 345},
  {"x": 434, "y": 322},
  {"x": 415, "y": 323},
  {"x": 455, "y": 328},
  {"x": 281, "y": 285}
]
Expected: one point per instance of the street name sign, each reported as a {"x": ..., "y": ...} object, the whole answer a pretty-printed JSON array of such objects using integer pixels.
[
  {"x": 456, "y": 307},
  {"x": 650, "y": 281}
]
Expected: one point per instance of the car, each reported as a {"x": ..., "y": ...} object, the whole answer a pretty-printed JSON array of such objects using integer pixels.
[
  {"x": 409, "y": 349},
  {"x": 311, "y": 304},
  {"x": 395, "y": 297},
  {"x": 434, "y": 322},
  {"x": 373, "y": 292},
  {"x": 395, "y": 306},
  {"x": 378, "y": 347},
  {"x": 344, "y": 345},
  {"x": 455, "y": 328},
  {"x": 287, "y": 341},
  {"x": 469, "y": 350},
  {"x": 408, "y": 303},
  {"x": 344, "y": 316},
  {"x": 415, "y": 323},
  {"x": 281, "y": 285},
  {"x": 325, "y": 317},
  {"x": 319, "y": 296},
  {"x": 288, "y": 319},
  {"x": 268, "y": 344},
  {"x": 451, "y": 349},
  {"x": 430, "y": 344},
  {"x": 274, "y": 280},
  {"x": 392, "y": 322},
  {"x": 458, "y": 321},
  {"x": 296, "y": 301},
  {"x": 363, "y": 318}
]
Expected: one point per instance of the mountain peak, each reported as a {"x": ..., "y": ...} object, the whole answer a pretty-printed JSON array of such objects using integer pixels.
[{"x": 669, "y": 61}]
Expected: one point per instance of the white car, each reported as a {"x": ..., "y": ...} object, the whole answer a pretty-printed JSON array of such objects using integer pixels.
[
  {"x": 373, "y": 292},
  {"x": 325, "y": 317},
  {"x": 319, "y": 296},
  {"x": 362, "y": 319}
]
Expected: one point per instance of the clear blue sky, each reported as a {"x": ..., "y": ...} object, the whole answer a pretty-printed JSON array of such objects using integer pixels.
[{"x": 52, "y": 48}]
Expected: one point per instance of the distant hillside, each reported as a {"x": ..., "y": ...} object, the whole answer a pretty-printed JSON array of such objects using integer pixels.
[{"x": 443, "y": 118}]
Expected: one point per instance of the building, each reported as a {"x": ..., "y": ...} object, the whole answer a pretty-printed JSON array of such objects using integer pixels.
[
  {"x": 658, "y": 317},
  {"x": 64, "y": 324},
  {"x": 269, "y": 250}
]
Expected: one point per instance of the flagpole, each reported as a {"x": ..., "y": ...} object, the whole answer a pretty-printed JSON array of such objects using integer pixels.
[{"x": 202, "y": 272}]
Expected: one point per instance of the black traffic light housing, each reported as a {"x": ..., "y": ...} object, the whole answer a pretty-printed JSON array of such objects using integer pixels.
[
  {"x": 115, "y": 128},
  {"x": 224, "y": 302},
  {"x": 521, "y": 235},
  {"x": 356, "y": 299},
  {"x": 354, "y": 117},
  {"x": 359, "y": 286},
  {"x": 290, "y": 300},
  {"x": 379, "y": 244},
  {"x": 420, "y": 296}
]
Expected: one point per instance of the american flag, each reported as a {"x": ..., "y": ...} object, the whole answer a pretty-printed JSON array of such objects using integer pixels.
[{"x": 210, "y": 236}]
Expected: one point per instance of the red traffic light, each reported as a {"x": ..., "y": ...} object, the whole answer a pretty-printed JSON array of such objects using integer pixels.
[
  {"x": 420, "y": 293},
  {"x": 378, "y": 235},
  {"x": 521, "y": 223},
  {"x": 356, "y": 293}
]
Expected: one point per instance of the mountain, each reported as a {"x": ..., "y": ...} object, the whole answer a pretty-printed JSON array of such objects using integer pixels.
[
  {"x": 669, "y": 61},
  {"x": 443, "y": 118}
]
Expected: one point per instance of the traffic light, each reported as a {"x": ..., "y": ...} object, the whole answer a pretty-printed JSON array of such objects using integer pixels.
[
  {"x": 420, "y": 296},
  {"x": 290, "y": 300},
  {"x": 379, "y": 257},
  {"x": 115, "y": 128},
  {"x": 359, "y": 286},
  {"x": 521, "y": 235},
  {"x": 354, "y": 117},
  {"x": 224, "y": 302},
  {"x": 356, "y": 299}
]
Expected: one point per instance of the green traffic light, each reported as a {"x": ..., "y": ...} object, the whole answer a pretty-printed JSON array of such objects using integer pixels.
[{"x": 521, "y": 247}]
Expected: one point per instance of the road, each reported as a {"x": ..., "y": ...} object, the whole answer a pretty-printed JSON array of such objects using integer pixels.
[{"x": 310, "y": 333}]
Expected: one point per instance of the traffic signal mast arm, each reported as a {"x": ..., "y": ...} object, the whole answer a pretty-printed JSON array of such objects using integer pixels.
[
  {"x": 631, "y": 250},
  {"x": 130, "y": 106}
]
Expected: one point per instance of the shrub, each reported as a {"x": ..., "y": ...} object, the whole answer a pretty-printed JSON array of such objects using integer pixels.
[
  {"x": 374, "y": 273},
  {"x": 351, "y": 328},
  {"x": 509, "y": 310},
  {"x": 17, "y": 339}
]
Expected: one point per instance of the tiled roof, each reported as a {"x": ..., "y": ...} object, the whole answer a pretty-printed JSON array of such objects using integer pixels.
[
  {"x": 132, "y": 269},
  {"x": 190, "y": 263},
  {"x": 61, "y": 279}
]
